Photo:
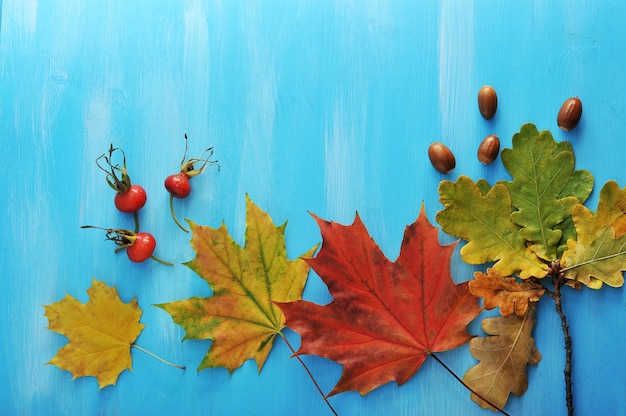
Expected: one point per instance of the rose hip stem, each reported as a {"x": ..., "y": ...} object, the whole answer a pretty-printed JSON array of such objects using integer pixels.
[{"x": 178, "y": 184}]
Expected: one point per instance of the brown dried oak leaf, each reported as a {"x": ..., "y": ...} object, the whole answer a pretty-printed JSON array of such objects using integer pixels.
[
  {"x": 503, "y": 359},
  {"x": 505, "y": 292}
]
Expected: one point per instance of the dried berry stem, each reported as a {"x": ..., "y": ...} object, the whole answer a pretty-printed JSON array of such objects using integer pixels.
[
  {"x": 467, "y": 386},
  {"x": 157, "y": 357},
  {"x": 309, "y": 373},
  {"x": 558, "y": 280}
]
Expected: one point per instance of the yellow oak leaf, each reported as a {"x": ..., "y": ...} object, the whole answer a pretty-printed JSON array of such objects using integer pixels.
[
  {"x": 100, "y": 333},
  {"x": 598, "y": 255},
  {"x": 611, "y": 211},
  {"x": 505, "y": 292},
  {"x": 240, "y": 317},
  {"x": 603, "y": 261},
  {"x": 504, "y": 356},
  {"x": 484, "y": 221}
]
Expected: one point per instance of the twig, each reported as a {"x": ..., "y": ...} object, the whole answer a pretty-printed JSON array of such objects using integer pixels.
[
  {"x": 558, "y": 280},
  {"x": 466, "y": 385},
  {"x": 310, "y": 375}
]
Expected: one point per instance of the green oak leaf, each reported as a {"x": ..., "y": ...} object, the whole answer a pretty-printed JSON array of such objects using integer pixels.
[
  {"x": 568, "y": 232},
  {"x": 484, "y": 186},
  {"x": 545, "y": 188},
  {"x": 484, "y": 221}
]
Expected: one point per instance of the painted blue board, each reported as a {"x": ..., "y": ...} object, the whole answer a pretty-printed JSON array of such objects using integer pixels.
[{"x": 313, "y": 106}]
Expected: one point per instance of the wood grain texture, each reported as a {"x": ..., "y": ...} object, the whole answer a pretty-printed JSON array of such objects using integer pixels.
[{"x": 313, "y": 106}]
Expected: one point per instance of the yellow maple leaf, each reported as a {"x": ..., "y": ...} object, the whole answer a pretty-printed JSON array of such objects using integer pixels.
[{"x": 100, "y": 333}]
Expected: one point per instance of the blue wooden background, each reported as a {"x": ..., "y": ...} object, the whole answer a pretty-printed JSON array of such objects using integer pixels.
[{"x": 321, "y": 106}]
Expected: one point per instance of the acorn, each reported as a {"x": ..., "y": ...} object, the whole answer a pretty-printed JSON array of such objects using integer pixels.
[
  {"x": 488, "y": 149},
  {"x": 570, "y": 113},
  {"x": 487, "y": 101},
  {"x": 441, "y": 157}
]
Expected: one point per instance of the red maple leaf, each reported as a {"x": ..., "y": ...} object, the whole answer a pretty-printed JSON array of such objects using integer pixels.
[{"x": 385, "y": 317}]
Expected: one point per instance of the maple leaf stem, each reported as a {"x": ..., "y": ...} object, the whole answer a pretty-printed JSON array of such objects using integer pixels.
[
  {"x": 309, "y": 373},
  {"x": 467, "y": 386},
  {"x": 558, "y": 280},
  {"x": 157, "y": 357}
]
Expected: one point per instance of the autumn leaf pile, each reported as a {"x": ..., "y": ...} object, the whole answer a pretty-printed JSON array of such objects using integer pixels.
[{"x": 386, "y": 317}]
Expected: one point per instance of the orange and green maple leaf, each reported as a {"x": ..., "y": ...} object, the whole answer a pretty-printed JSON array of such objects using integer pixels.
[
  {"x": 100, "y": 333},
  {"x": 240, "y": 317},
  {"x": 386, "y": 317}
]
